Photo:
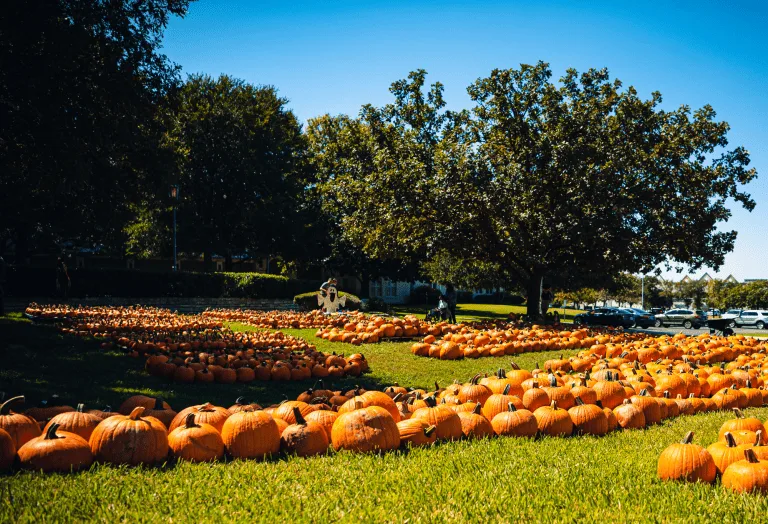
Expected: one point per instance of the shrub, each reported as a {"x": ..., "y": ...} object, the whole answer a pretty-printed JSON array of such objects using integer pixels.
[
  {"x": 29, "y": 281},
  {"x": 421, "y": 293},
  {"x": 308, "y": 301},
  {"x": 376, "y": 304}
]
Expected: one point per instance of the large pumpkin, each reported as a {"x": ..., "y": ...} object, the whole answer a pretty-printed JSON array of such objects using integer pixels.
[
  {"x": 132, "y": 439},
  {"x": 686, "y": 461},
  {"x": 251, "y": 434},
  {"x": 441, "y": 416},
  {"x": 204, "y": 414},
  {"x": 7, "y": 450},
  {"x": 22, "y": 428},
  {"x": 196, "y": 442},
  {"x": 367, "y": 429},
  {"x": 304, "y": 438},
  {"x": 55, "y": 451},
  {"x": 76, "y": 422}
]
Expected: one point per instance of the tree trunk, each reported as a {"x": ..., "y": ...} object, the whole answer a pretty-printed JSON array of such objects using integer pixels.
[{"x": 533, "y": 289}]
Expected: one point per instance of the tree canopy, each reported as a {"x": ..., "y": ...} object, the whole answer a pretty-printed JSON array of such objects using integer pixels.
[
  {"x": 571, "y": 180},
  {"x": 80, "y": 84}
]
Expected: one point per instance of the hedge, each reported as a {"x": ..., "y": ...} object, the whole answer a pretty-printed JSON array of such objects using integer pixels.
[
  {"x": 308, "y": 301},
  {"x": 35, "y": 282}
]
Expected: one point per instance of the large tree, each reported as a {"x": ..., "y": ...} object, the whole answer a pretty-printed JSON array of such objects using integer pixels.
[
  {"x": 80, "y": 84},
  {"x": 241, "y": 170},
  {"x": 571, "y": 180}
]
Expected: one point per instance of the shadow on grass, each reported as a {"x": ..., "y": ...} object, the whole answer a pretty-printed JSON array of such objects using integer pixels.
[{"x": 39, "y": 362}]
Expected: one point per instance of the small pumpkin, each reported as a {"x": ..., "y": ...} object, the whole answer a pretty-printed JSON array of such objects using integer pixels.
[
  {"x": 416, "y": 432},
  {"x": 727, "y": 452},
  {"x": 742, "y": 423},
  {"x": 55, "y": 451},
  {"x": 161, "y": 412},
  {"x": 553, "y": 420},
  {"x": 588, "y": 419},
  {"x": 474, "y": 424},
  {"x": 204, "y": 414}
]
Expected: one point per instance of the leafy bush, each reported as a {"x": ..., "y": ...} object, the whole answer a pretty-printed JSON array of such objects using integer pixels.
[
  {"x": 376, "y": 304},
  {"x": 27, "y": 281},
  {"x": 308, "y": 301},
  {"x": 420, "y": 292}
]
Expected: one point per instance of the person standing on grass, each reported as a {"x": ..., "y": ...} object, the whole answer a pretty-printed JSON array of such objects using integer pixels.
[
  {"x": 62, "y": 279},
  {"x": 546, "y": 299},
  {"x": 450, "y": 296}
]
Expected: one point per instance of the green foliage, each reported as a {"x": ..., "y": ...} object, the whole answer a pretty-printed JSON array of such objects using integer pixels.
[
  {"x": 308, "y": 301},
  {"x": 376, "y": 304},
  {"x": 81, "y": 86},
  {"x": 569, "y": 181},
  {"x": 424, "y": 295},
  {"x": 25, "y": 282},
  {"x": 726, "y": 295}
]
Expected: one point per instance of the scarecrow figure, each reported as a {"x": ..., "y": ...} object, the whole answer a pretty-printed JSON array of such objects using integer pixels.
[{"x": 328, "y": 297}]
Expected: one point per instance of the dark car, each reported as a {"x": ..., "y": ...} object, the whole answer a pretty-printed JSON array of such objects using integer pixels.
[
  {"x": 681, "y": 317},
  {"x": 604, "y": 316},
  {"x": 640, "y": 318}
]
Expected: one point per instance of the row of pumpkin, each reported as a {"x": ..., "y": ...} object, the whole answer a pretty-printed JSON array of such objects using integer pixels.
[
  {"x": 147, "y": 430},
  {"x": 193, "y": 348},
  {"x": 739, "y": 457}
]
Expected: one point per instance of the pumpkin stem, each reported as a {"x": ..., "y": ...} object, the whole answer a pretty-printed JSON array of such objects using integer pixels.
[
  {"x": 552, "y": 381},
  {"x": 579, "y": 402},
  {"x": 474, "y": 379},
  {"x": 5, "y": 408},
  {"x": 397, "y": 397},
  {"x": 553, "y": 405},
  {"x": 749, "y": 454},
  {"x": 511, "y": 407},
  {"x": 730, "y": 440},
  {"x": 513, "y": 365},
  {"x": 666, "y": 394},
  {"x": 299, "y": 417},
  {"x": 428, "y": 431},
  {"x": 431, "y": 402},
  {"x": 189, "y": 422},
  {"x": 535, "y": 384},
  {"x": 51, "y": 433},
  {"x": 501, "y": 373},
  {"x": 240, "y": 401},
  {"x": 759, "y": 437},
  {"x": 437, "y": 386},
  {"x": 477, "y": 409},
  {"x": 507, "y": 388},
  {"x": 688, "y": 438},
  {"x": 159, "y": 404},
  {"x": 80, "y": 408},
  {"x": 137, "y": 412},
  {"x": 738, "y": 413},
  {"x": 644, "y": 393}
]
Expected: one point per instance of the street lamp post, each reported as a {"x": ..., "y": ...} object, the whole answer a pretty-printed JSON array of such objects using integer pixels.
[
  {"x": 642, "y": 292},
  {"x": 175, "y": 198}
]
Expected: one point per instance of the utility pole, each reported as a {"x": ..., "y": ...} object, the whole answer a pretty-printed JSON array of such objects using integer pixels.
[{"x": 175, "y": 198}]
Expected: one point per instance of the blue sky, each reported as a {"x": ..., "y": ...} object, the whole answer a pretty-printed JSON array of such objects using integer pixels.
[{"x": 332, "y": 57}]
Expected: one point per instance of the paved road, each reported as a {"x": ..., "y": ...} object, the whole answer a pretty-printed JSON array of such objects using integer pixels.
[{"x": 694, "y": 332}]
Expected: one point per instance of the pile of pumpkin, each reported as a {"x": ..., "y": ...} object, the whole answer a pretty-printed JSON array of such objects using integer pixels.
[
  {"x": 739, "y": 457},
  {"x": 283, "y": 319},
  {"x": 510, "y": 403},
  {"x": 451, "y": 342},
  {"x": 376, "y": 329},
  {"x": 105, "y": 321}
]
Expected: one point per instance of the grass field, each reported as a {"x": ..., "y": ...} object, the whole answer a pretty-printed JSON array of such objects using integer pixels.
[
  {"x": 609, "y": 479},
  {"x": 470, "y": 312}
]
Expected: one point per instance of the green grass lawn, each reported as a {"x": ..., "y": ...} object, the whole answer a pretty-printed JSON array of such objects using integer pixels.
[
  {"x": 471, "y": 312},
  {"x": 609, "y": 479}
]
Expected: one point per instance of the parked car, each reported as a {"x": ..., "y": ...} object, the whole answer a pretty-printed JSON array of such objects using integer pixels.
[
  {"x": 657, "y": 310},
  {"x": 751, "y": 317},
  {"x": 680, "y": 317},
  {"x": 731, "y": 313},
  {"x": 640, "y": 318},
  {"x": 713, "y": 313},
  {"x": 604, "y": 316}
]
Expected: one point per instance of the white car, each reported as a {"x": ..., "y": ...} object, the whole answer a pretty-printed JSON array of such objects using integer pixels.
[
  {"x": 731, "y": 313},
  {"x": 752, "y": 317}
]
